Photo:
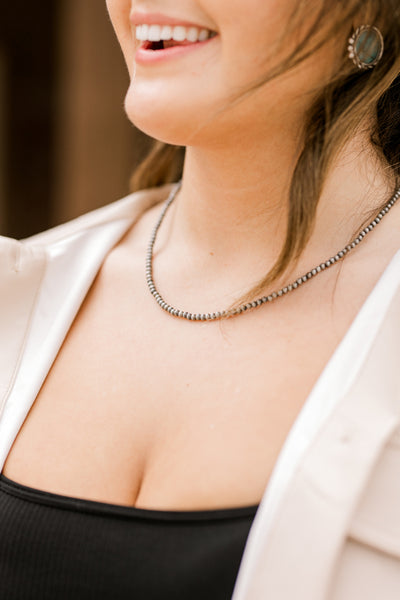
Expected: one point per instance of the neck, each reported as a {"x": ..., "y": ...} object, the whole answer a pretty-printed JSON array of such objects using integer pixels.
[
  {"x": 226, "y": 198},
  {"x": 231, "y": 209}
]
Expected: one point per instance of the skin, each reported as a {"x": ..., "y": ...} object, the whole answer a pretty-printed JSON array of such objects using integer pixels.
[
  {"x": 215, "y": 75},
  {"x": 143, "y": 409}
]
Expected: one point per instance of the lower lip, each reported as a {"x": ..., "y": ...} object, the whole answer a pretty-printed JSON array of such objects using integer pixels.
[{"x": 147, "y": 57}]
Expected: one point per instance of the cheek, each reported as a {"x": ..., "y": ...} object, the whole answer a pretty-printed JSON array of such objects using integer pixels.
[
  {"x": 255, "y": 37},
  {"x": 119, "y": 11}
]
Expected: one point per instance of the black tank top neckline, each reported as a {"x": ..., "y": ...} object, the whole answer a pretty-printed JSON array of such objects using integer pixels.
[{"x": 39, "y": 496}]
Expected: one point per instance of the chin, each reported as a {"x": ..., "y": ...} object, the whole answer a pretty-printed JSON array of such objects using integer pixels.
[
  {"x": 158, "y": 124},
  {"x": 172, "y": 121}
]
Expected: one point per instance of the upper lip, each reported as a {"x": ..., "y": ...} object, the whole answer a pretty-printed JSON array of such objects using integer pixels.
[{"x": 141, "y": 18}]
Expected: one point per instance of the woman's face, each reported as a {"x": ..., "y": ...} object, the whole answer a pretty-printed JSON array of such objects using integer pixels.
[{"x": 170, "y": 97}]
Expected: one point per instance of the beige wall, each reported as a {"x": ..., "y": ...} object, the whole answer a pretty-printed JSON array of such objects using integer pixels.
[{"x": 96, "y": 146}]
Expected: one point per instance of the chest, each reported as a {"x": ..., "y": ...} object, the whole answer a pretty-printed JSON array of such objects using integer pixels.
[{"x": 142, "y": 409}]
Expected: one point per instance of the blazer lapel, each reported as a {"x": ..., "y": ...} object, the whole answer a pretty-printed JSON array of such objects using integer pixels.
[
  {"x": 21, "y": 272},
  {"x": 293, "y": 552}
]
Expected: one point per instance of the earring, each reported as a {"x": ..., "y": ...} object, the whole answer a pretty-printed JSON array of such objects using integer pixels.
[{"x": 366, "y": 47}]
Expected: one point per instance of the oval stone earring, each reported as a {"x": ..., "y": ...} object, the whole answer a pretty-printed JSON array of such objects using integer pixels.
[{"x": 366, "y": 47}]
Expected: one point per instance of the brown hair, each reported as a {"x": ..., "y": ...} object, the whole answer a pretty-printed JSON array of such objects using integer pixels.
[{"x": 338, "y": 111}]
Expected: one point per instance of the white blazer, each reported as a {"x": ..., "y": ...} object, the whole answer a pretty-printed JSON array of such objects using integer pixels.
[{"x": 328, "y": 526}]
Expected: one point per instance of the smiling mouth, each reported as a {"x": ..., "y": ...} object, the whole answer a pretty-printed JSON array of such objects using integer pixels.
[{"x": 158, "y": 37}]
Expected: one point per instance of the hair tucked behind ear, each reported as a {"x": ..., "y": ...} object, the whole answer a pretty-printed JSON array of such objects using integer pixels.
[{"x": 341, "y": 107}]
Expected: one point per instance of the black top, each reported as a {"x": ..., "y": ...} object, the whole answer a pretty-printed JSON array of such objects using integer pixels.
[{"x": 61, "y": 548}]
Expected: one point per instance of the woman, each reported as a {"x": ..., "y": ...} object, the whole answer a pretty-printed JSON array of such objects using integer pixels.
[{"x": 266, "y": 436}]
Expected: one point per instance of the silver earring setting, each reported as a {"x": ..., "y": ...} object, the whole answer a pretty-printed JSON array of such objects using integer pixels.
[{"x": 366, "y": 47}]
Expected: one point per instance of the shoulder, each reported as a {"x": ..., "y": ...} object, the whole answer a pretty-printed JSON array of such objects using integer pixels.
[
  {"x": 56, "y": 267},
  {"x": 75, "y": 243},
  {"x": 128, "y": 209}
]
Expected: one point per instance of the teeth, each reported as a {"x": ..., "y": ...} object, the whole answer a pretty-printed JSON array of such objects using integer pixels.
[
  {"x": 166, "y": 33},
  {"x": 203, "y": 35},
  {"x": 179, "y": 34},
  {"x": 142, "y": 32},
  {"x": 192, "y": 34},
  {"x": 156, "y": 33}
]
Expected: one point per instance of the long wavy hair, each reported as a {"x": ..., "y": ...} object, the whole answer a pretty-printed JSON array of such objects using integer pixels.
[{"x": 339, "y": 109}]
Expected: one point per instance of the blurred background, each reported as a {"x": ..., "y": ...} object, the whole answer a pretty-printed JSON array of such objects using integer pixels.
[{"x": 66, "y": 145}]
